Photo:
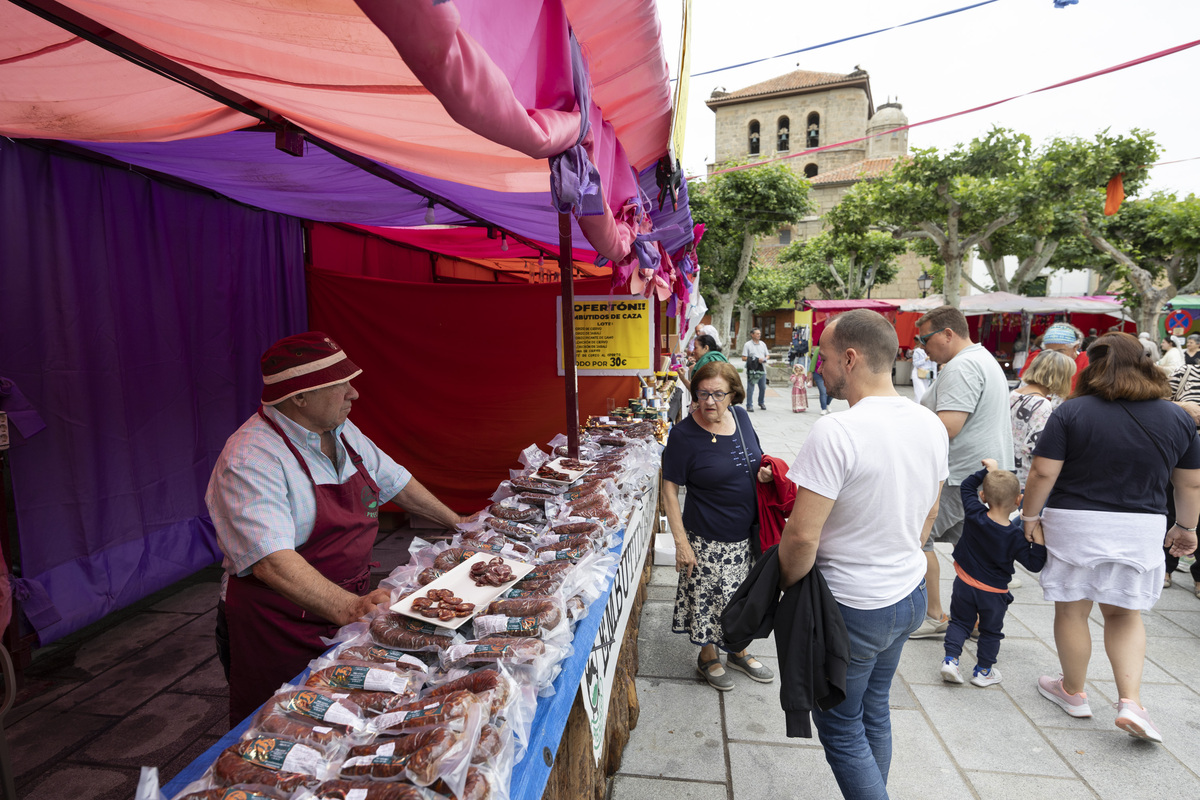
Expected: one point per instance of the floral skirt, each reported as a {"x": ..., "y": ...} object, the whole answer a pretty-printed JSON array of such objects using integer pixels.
[{"x": 720, "y": 569}]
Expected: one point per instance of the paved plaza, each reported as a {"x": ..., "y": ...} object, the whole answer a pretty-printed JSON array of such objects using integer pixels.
[{"x": 1005, "y": 742}]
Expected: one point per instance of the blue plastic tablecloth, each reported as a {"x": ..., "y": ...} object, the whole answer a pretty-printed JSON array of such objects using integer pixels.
[{"x": 530, "y": 775}]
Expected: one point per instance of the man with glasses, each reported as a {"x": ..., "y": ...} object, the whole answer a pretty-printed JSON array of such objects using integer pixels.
[{"x": 970, "y": 397}]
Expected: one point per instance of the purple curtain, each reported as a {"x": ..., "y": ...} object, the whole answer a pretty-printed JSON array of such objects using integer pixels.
[{"x": 132, "y": 315}]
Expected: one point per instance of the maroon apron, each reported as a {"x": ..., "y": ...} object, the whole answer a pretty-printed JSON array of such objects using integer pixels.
[{"x": 271, "y": 639}]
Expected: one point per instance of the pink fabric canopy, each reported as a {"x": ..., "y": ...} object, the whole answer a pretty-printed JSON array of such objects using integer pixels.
[{"x": 472, "y": 91}]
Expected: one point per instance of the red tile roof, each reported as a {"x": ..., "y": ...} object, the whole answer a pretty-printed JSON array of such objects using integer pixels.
[
  {"x": 859, "y": 170},
  {"x": 792, "y": 81}
]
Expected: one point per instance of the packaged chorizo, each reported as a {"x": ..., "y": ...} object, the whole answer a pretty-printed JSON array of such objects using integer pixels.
[
  {"x": 538, "y": 617},
  {"x": 367, "y": 650},
  {"x": 430, "y": 712},
  {"x": 271, "y": 761},
  {"x": 404, "y": 633},
  {"x": 241, "y": 791},
  {"x": 312, "y": 716},
  {"x": 438, "y": 754},
  {"x": 362, "y": 675},
  {"x": 367, "y": 790}
]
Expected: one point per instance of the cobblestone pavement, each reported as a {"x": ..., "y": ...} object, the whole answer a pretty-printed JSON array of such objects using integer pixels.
[{"x": 950, "y": 741}]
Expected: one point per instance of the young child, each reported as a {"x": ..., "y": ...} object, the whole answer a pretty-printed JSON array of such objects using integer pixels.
[
  {"x": 799, "y": 388},
  {"x": 983, "y": 561}
]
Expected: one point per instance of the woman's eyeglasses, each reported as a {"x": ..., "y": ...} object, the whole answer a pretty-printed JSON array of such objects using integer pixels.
[{"x": 718, "y": 396}]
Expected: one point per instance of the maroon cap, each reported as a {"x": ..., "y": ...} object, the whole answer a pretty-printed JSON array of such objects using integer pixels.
[{"x": 302, "y": 363}]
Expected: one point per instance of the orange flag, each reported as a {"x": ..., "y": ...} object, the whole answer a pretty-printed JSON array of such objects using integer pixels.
[{"x": 1114, "y": 195}]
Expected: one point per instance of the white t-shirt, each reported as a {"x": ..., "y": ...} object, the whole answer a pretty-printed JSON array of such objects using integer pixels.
[
  {"x": 880, "y": 462},
  {"x": 757, "y": 350}
]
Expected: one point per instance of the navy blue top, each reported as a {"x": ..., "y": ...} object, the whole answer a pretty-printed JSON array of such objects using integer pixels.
[
  {"x": 987, "y": 549},
  {"x": 721, "y": 503},
  {"x": 1110, "y": 463}
]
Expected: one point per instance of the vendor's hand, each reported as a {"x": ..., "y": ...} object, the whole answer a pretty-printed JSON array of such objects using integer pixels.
[
  {"x": 990, "y": 464},
  {"x": 365, "y": 604},
  {"x": 1033, "y": 532},
  {"x": 1181, "y": 542},
  {"x": 765, "y": 475},
  {"x": 685, "y": 557}
]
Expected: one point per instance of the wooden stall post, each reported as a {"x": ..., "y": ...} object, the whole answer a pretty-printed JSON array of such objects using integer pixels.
[{"x": 566, "y": 265}]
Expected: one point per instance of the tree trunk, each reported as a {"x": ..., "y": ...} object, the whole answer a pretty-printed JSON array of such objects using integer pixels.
[
  {"x": 745, "y": 323},
  {"x": 952, "y": 256},
  {"x": 1152, "y": 298},
  {"x": 722, "y": 318}
]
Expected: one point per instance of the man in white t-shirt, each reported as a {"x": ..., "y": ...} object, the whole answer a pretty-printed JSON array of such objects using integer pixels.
[
  {"x": 868, "y": 483},
  {"x": 970, "y": 397},
  {"x": 756, "y": 355}
]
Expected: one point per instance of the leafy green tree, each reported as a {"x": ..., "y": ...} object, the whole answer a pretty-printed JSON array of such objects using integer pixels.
[
  {"x": 736, "y": 208},
  {"x": 845, "y": 267},
  {"x": 1155, "y": 243},
  {"x": 956, "y": 199}
]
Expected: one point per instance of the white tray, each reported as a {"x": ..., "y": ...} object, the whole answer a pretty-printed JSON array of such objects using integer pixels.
[
  {"x": 556, "y": 464},
  {"x": 458, "y": 580}
]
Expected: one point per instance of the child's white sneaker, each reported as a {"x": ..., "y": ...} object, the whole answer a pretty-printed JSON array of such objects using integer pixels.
[
  {"x": 950, "y": 673},
  {"x": 986, "y": 677}
]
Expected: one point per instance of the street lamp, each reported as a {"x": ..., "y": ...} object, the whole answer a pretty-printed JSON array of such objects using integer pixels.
[{"x": 923, "y": 283}]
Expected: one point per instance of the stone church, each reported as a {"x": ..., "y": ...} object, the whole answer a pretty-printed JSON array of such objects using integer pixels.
[{"x": 803, "y": 110}]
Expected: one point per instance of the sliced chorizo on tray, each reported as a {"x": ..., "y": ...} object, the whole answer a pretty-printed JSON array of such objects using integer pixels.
[{"x": 367, "y": 790}]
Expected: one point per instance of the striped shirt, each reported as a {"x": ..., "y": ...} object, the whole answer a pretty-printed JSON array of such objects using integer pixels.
[{"x": 260, "y": 499}]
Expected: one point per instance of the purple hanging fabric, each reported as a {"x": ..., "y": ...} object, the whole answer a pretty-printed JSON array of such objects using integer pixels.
[
  {"x": 23, "y": 419},
  {"x": 132, "y": 317},
  {"x": 574, "y": 179}
]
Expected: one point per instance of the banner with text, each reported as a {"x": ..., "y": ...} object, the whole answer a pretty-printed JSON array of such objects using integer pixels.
[
  {"x": 597, "y": 683},
  {"x": 612, "y": 335}
]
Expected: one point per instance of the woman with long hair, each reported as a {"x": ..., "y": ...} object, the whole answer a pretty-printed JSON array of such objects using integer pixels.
[{"x": 1098, "y": 491}]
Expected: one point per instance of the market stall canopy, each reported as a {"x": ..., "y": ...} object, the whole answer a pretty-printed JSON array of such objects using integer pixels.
[
  {"x": 462, "y": 101},
  {"x": 835, "y": 306},
  {"x": 1006, "y": 303}
]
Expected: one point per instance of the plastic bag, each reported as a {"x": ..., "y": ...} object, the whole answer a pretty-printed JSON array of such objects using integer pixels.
[
  {"x": 450, "y": 710},
  {"x": 271, "y": 761}
]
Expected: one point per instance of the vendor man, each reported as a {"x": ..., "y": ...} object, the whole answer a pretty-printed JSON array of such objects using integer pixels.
[{"x": 295, "y": 499}]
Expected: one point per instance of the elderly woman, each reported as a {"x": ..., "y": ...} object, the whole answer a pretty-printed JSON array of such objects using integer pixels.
[
  {"x": 715, "y": 453},
  {"x": 706, "y": 350},
  {"x": 1172, "y": 356},
  {"x": 1097, "y": 493},
  {"x": 1047, "y": 381}
]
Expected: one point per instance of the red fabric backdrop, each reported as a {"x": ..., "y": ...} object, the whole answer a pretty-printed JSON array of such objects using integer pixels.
[{"x": 457, "y": 379}]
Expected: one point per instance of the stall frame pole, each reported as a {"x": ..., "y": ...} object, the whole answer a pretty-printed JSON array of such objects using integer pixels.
[{"x": 566, "y": 266}]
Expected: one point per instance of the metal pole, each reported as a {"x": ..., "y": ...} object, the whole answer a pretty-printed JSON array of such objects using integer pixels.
[{"x": 566, "y": 265}]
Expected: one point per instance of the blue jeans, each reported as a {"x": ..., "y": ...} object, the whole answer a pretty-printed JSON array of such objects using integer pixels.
[
  {"x": 819, "y": 382},
  {"x": 857, "y": 733},
  {"x": 761, "y": 383}
]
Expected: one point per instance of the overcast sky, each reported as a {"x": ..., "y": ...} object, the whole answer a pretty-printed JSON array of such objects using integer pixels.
[{"x": 977, "y": 56}]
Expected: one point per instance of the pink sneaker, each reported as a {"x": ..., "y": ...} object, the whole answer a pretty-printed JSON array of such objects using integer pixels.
[
  {"x": 1074, "y": 704},
  {"x": 1135, "y": 720}
]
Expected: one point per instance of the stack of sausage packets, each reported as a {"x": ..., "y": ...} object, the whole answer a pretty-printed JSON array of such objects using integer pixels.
[{"x": 433, "y": 695}]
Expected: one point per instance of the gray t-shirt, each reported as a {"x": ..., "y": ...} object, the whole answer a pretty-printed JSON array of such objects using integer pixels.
[{"x": 975, "y": 383}]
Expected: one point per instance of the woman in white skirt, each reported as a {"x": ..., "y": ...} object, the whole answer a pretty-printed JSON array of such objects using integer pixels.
[
  {"x": 924, "y": 371},
  {"x": 1097, "y": 489}
]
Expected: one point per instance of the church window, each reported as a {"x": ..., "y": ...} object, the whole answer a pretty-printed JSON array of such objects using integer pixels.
[
  {"x": 753, "y": 137},
  {"x": 814, "y": 130},
  {"x": 810, "y": 170},
  {"x": 782, "y": 136}
]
